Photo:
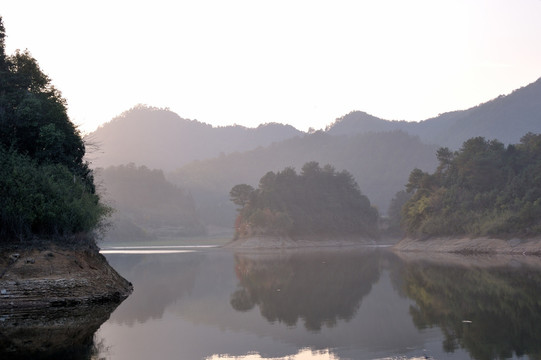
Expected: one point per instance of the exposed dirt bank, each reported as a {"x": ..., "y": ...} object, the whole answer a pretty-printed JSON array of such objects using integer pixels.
[
  {"x": 52, "y": 276},
  {"x": 470, "y": 260},
  {"x": 482, "y": 245},
  {"x": 272, "y": 242}
]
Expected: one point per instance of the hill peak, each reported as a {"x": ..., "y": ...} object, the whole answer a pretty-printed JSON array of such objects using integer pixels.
[
  {"x": 160, "y": 138},
  {"x": 506, "y": 118}
]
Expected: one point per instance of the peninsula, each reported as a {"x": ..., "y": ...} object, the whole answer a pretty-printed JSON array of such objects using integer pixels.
[
  {"x": 50, "y": 210},
  {"x": 485, "y": 197}
]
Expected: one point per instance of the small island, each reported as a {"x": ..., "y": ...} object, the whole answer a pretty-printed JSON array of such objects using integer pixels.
[
  {"x": 317, "y": 206},
  {"x": 50, "y": 211}
]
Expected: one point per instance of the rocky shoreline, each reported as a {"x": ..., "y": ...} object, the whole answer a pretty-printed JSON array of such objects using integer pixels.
[
  {"x": 482, "y": 245},
  {"x": 53, "y": 275},
  {"x": 53, "y": 298}
]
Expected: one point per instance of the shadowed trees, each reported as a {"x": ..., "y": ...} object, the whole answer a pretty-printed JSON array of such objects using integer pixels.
[
  {"x": 318, "y": 201},
  {"x": 46, "y": 188}
]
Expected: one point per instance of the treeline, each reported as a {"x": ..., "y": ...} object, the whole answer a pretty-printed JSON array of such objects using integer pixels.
[
  {"x": 483, "y": 189},
  {"x": 318, "y": 201},
  {"x": 379, "y": 162},
  {"x": 146, "y": 204},
  {"x": 46, "y": 188}
]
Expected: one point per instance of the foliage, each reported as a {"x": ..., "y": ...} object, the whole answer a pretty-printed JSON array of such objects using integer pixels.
[
  {"x": 44, "y": 199},
  {"x": 46, "y": 186},
  {"x": 483, "y": 189},
  {"x": 379, "y": 162},
  {"x": 146, "y": 203},
  {"x": 395, "y": 213},
  {"x": 319, "y": 201}
]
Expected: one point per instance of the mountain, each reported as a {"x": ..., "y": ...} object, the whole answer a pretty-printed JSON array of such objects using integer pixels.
[
  {"x": 379, "y": 162},
  {"x": 208, "y": 161},
  {"x": 506, "y": 118},
  {"x": 159, "y": 138}
]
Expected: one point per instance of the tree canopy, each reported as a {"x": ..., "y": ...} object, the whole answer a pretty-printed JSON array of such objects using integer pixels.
[
  {"x": 318, "y": 201},
  {"x": 46, "y": 187},
  {"x": 483, "y": 189},
  {"x": 145, "y": 200}
]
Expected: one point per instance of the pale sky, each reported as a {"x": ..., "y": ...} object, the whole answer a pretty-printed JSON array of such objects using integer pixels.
[{"x": 303, "y": 63}]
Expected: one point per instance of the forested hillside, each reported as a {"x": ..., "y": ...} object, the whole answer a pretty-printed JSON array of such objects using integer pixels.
[
  {"x": 207, "y": 161},
  {"x": 159, "y": 138},
  {"x": 46, "y": 188},
  {"x": 506, "y": 118},
  {"x": 483, "y": 189},
  {"x": 146, "y": 205},
  {"x": 380, "y": 163}
]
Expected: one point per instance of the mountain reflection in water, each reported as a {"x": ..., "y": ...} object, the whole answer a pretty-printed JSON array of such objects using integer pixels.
[{"x": 332, "y": 304}]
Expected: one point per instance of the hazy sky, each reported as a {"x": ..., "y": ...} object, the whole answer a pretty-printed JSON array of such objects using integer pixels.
[{"x": 304, "y": 63}]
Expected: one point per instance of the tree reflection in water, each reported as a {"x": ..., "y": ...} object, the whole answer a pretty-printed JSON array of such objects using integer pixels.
[
  {"x": 491, "y": 311},
  {"x": 318, "y": 287}
]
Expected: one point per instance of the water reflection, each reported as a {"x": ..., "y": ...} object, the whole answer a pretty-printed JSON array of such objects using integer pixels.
[
  {"x": 490, "y": 307},
  {"x": 340, "y": 304},
  {"x": 302, "y": 354},
  {"x": 159, "y": 279},
  {"x": 52, "y": 333},
  {"x": 318, "y": 287}
]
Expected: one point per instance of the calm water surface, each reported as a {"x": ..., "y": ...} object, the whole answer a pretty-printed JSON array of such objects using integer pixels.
[{"x": 205, "y": 303}]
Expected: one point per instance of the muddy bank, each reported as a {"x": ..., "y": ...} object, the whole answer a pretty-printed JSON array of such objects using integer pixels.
[
  {"x": 273, "y": 242},
  {"x": 52, "y": 276},
  {"x": 482, "y": 245}
]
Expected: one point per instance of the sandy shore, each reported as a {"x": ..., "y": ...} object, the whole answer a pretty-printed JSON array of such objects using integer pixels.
[{"x": 483, "y": 245}]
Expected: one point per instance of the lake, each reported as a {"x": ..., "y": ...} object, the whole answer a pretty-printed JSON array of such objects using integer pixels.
[
  {"x": 348, "y": 303},
  {"x": 362, "y": 303}
]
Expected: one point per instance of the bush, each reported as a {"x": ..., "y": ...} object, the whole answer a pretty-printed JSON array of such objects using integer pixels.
[{"x": 45, "y": 200}]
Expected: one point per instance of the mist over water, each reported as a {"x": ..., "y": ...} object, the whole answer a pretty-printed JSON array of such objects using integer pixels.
[{"x": 335, "y": 304}]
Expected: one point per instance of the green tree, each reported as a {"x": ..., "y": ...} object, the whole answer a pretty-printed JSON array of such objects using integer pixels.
[
  {"x": 46, "y": 186},
  {"x": 483, "y": 189},
  {"x": 319, "y": 201},
  {"x": 240, "y": 194}
]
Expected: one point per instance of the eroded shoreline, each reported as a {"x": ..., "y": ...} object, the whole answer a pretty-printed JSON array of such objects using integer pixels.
[{"x": 53, "y": 275}]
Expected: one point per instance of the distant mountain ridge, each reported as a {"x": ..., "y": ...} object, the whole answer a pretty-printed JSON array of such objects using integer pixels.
[
  {"x": 506, "y": 118},
  {"x": 207, "y": 161},
  {"x": 160, "y": 139},
  {"x": 379, "y": 162}
]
